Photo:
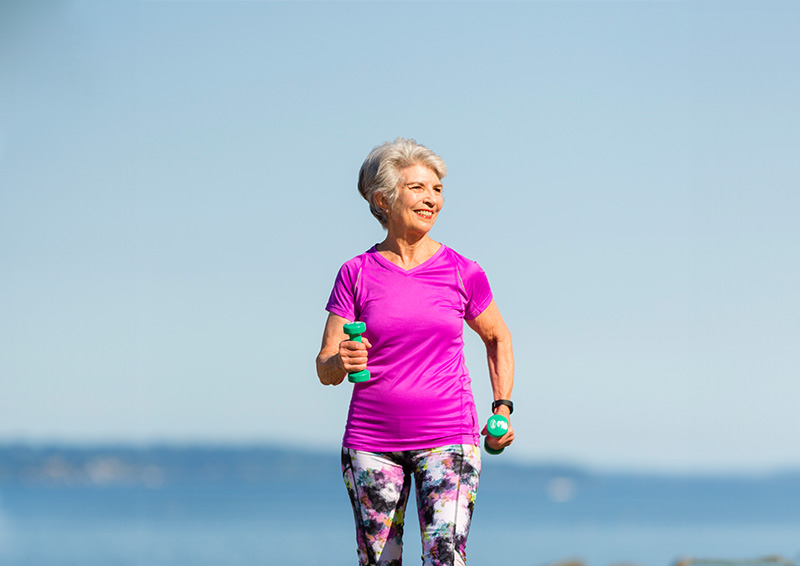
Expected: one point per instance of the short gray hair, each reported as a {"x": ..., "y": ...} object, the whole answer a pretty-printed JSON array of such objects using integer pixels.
[{"x": 380, "y": 172}]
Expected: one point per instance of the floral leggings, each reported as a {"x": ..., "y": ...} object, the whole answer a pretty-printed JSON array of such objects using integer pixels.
[{"x": 379, "y": 483}]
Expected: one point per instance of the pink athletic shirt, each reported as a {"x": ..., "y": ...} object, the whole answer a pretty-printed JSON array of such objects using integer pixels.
[{"x": 419, "y": 394}]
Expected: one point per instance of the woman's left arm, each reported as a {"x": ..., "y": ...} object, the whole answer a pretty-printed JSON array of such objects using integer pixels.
[{"x": 495, "y": 335}]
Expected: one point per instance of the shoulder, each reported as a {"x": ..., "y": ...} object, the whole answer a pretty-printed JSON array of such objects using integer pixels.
[
  {"x": 474, "y": 284},
  {"x": 350, "y": 271},
  {"x": 354, "y": 264},
  {"x": 463, "y": 264}
]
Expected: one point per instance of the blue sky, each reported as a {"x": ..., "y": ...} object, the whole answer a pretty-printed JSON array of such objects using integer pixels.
[{"x": 177, "y": 191}]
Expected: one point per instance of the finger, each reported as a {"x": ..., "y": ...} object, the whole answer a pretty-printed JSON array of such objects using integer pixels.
[
  {"x": 508, "y": 439},
  {"x": 355, "y": 356},
  {"x": 494, "y": 443},
  {"x": 366, "y": 342},
  {"x": 354, "y": 365},
  {"x": 336, "y": 381},
  {"x": 353, "y": 345},
  {"x": 354, "y": 361}
]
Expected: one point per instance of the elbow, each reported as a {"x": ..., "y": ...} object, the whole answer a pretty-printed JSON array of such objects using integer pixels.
[{"x": 498, "y": 340}]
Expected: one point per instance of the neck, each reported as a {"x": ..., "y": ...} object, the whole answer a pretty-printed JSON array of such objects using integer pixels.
[{"x": 408, "y": 252}]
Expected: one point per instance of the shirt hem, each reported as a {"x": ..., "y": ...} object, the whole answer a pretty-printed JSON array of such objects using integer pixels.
[{"x": 473, "y": 439}]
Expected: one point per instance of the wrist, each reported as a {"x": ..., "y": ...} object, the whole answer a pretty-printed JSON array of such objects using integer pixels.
[{"x": 502, "y": 406}]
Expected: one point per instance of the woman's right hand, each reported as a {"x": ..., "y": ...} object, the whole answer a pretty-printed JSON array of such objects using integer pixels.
[
  {"x": 339, "y": 355},
  {"x": 353, "y": 355}
]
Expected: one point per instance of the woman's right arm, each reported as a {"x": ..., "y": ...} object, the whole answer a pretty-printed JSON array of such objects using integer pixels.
[{"x": 339, "y": 355}]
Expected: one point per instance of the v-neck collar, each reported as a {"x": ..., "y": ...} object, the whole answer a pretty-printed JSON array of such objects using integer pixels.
[{"x": 393, "y": 266}]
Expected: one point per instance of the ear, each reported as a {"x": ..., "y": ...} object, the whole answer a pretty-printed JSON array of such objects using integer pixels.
[{"x": 381, "y": 202}]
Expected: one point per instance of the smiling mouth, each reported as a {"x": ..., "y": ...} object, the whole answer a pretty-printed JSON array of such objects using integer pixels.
[{"x": 424, "y": 213}]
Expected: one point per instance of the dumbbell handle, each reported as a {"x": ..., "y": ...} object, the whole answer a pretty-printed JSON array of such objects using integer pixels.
[
  {"x": 355, "y": 330},
  {"x": 497, "y": 426}
]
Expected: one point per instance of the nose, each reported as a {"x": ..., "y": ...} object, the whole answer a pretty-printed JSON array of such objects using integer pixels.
[{"x": 430, "y": 197}]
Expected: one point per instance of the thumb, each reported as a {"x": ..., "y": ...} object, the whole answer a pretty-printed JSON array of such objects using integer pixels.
[{"x": 366, "y": 342}]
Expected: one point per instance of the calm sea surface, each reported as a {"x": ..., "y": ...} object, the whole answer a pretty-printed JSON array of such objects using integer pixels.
[{"x": 299, "y": 514}]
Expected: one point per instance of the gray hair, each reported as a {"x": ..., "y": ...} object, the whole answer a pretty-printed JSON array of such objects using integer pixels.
[{"x": 380, "y": 172}]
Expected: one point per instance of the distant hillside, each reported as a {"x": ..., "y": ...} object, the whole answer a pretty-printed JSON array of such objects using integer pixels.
[
  {"x": 64, "y": 466},
  {"x": 155, "y": 466}
]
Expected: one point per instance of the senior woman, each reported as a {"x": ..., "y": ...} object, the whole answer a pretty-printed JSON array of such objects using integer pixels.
[{"x": 415, "y": 416}]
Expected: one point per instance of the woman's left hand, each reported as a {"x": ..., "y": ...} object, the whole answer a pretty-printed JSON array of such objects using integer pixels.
[{"x": 504, "y": 441}]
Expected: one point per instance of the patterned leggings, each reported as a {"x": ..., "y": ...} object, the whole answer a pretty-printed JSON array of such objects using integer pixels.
[{"x": 379, "y": 483}]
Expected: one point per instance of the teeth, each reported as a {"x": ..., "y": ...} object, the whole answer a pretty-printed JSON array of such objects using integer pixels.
[{"x": 425, "y": 213}]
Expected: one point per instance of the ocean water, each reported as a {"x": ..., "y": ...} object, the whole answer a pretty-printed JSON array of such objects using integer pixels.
[{"x": 189, "y": 507}]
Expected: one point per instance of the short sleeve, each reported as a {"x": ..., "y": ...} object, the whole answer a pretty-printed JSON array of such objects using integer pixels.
[
  {"x": 479, "y": 293},
  {"x": 343, "y": 296}
]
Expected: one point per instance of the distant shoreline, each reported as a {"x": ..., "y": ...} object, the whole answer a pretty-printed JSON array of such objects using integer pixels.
[{"x": 158, "y": 464}]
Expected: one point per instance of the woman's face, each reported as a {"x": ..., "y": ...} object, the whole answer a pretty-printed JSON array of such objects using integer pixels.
[{"x": 419, "y": 200}]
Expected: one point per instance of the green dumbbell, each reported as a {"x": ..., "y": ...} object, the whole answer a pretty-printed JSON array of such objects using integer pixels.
[
  {"x": 496, "y": 427},
  {"x": 355, "y": 330}
]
